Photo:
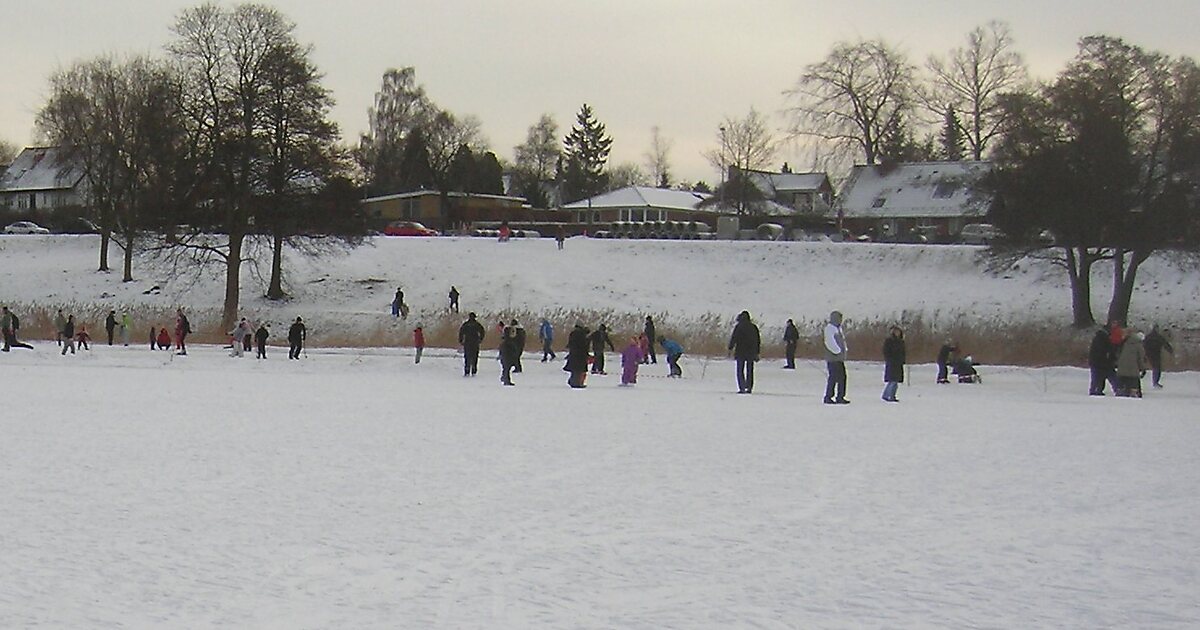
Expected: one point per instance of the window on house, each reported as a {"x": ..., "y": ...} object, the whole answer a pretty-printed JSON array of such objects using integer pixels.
[
  {"x": 945, "y": 190},
  {"x": 879, "y": 201}
]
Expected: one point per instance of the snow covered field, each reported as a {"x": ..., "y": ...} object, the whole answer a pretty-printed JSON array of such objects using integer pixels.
[{"x": 353, "y": 489}]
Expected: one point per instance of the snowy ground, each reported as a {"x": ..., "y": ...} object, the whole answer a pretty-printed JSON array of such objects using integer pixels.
[{"x": 356, "y": 490}]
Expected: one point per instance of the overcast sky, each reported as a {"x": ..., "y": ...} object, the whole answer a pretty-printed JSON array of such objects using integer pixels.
[{"x": 682, "y": 65}]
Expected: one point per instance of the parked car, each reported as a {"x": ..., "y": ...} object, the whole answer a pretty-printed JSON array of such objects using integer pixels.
[
  {"x": 25, "y": 227},
  {"x": 408, "y": 228},
  {"x": 979, "y": 234},
  {"x": 77, "y": 225}
]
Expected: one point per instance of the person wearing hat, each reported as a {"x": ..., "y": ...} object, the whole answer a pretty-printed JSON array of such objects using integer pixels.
[{"x": 297, "y": 335}]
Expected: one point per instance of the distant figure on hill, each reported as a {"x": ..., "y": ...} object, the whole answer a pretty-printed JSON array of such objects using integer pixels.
[
  {"x": 674, "y": 353},
  {"x": 453, "y": 299},
  {"x": 894, "y": 358},
  {"x": 419, "y": 341},
  {"x": 470, "y": 337},
  {"x": 297, "y": 336},
  {"x": 577, "y": 356},
  {"x": 631, "y": 358},
  {"x": 648, "y": 330},
  {"x": 599, "y": 339},
  {"x": 546, "y": 336},
  {"x": 399, "y": 308},
  {"x": 560, "y": 236},
  {"x": 110, "y": 325},
  {"x": 835, "y": 361},
  {"x": 945, "y": 357},
  {"x": 745, "y": 343},
  {"x": 791, "y": 337},
  {"x": 1154, "y": 345}
]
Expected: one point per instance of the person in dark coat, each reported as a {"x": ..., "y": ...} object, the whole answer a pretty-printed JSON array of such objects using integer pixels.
[
  {"x": 650, "y": 339},
  {"x": 68, "y": 335},
  {"x": 470, "y": 337},
  {"x": 1154, "y": 345},
  {"x": 110, "y": 325},
  {"x": 1102, "y": 362},
  {"x": 791, "y": 337},
  {"x": 599, "y": 339},
  {"x": 945, "y": 357},
  {"x": 894, "y": 358},
  {"x": 519, "y": 342},
  {"x": 509, "y": 353},
  {"x": 577, "y": 356},
  {"x": 260, "y": 337},
  {"x": 453, "y": 299},
  {"x": 297, "y": 336},
  {"x": 745, "y": 343}
]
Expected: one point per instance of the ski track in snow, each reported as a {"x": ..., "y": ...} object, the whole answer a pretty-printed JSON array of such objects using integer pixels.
[{"x": 354, "y": 489}]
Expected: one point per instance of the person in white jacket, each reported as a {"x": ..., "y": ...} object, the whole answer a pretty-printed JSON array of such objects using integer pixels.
[
  {"x": 239, "y": 333},
  {"x": 835, "y": 361}
]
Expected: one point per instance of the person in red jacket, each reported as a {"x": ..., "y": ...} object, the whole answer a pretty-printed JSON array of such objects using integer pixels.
[
  {"x": 419, "y": 340},
  {"x": 164, "y": 339}
]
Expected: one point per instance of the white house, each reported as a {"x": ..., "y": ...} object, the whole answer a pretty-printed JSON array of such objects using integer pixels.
[
  {"x": 642, "y": 203},
  {"x": 933, "y": 198},
  {"x": 41, "y": 180}
]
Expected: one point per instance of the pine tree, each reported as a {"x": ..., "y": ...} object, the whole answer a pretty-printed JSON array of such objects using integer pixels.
[
  {"x": 585, "y": 150},
  {"x": 953, "y": 147}
]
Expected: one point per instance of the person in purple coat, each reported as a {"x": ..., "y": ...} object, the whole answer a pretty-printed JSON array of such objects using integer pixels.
[{"x": 631, "y": 358}]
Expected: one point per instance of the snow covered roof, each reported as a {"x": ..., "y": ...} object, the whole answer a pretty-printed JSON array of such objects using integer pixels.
[
  {"x": 915, "y": 190},
  {"x": 424, "y": 193},
  {"x": 40, "y": 168},
  {"x": 642, "y": 197},
  {"x": 774, "y": 183}
]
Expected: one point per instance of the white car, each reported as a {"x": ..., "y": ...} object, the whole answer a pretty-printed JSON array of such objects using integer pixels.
[
  {"x": 979, "y": 234},
  {"x": 25, "y": 227}
]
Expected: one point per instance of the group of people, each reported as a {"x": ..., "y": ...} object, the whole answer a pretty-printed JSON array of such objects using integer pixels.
[
  {"x": 1120, "y": 357},
  {"x": 244, "y": 336}
]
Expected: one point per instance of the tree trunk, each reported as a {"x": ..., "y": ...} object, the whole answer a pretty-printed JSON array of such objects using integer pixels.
[
  {"x": 1079, "y": 270},
  {"x": 1124, "y": 279},
  {"x": 275, "y": 288},
  {"x": 105, "y": 237},
  {"x": 233, "y": 278},
  {"x": 128, "y": 277}
]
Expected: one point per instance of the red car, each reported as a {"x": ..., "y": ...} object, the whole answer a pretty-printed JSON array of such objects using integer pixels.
[{"x": 407, "y": 228}]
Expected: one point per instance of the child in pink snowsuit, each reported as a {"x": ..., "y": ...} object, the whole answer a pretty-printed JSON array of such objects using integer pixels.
[{"x": 631, "y": 357}]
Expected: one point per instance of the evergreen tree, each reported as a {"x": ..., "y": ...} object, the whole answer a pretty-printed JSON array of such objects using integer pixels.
[
  {"x": 586, "y": 150},
  {"x": 953, "y": 146}
]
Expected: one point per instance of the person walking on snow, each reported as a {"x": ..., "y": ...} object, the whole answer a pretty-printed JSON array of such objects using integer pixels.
[
  {"x": 1101, "y": 362},
  {"x": 260, "y": 336},
  {"x": 82, "y": 338},
  {"x": 419, "y": 341},
  {"x": 183, "y": 328},
  {"x": 745, "y": 343},
  {"x": 239, "y": 333},
  {"x": 67, "y": 335},
  {"x": 60, "y": 322},
  {"x": 453, "y": 299},
  {"x": 674, "y": 353},
  {"x": 791, "y": 337},
  {"x": 546, "y": 336},
  {"x": 577, "y": 357},
  {"x": 153, "y": 337},
  {"x": 631, "y": 358},
  {"x": 509, "y": 351},
  {"x": 894, "y": 358},
  {"x": 1131, "y": 365},
  {"x": 297, "y": 336},
  {"x": 519, "y": 342},
  {"x": 126, "y": 327},
  {"x": 110, "y": 325},
  {"x": 399, "y": 308},
  {"x": 648, "y": 330},
  {"x": 599, "y": 339},
  {"x": 835, "y": 361},
  {"x": 470, "y": 337},
  {"x": 1154, "y": 345}
]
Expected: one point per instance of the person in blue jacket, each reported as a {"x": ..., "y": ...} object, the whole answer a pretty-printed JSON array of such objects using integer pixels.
[
  {"x": 674, "y": 351},
  {"x": 546, "y": 335}
]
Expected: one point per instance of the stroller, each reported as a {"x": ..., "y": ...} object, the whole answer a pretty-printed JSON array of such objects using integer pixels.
[{"x": 964, "y": 368}]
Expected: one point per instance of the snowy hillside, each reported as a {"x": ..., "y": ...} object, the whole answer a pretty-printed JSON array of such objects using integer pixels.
[{"x": 680, "y": 280}]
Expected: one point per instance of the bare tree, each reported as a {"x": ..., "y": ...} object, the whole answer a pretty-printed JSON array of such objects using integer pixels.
[
  {"x": 658, "y": 159},
  {"x": 401, "y": 112},
  {"x": 970, "y": 80},
  {"x": 536, "y": 160},
  {"x": 8, "y": 151},
  {"x": 743, "y": 144},
  {"x": 853, "y": 97},
  {"x": 626, "y": 174}
]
